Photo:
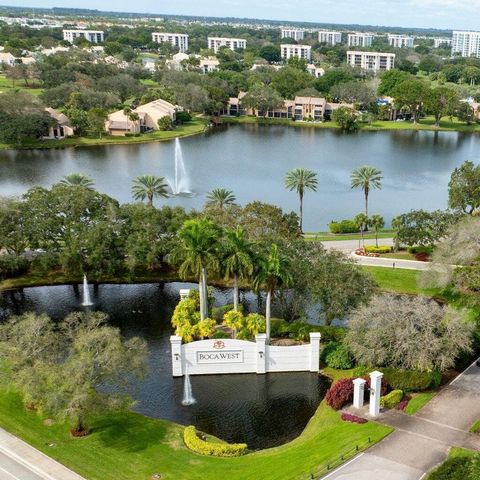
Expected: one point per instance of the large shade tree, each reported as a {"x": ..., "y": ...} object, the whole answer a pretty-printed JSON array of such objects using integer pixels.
[
  {"x": 367, "y": 178},
  {"x": 464, "y": 188},
  {"x": 149, "y": 187},
  {"x": 300, "y": 180}
]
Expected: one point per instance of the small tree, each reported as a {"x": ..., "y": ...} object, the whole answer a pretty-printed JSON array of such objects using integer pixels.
[
  {"x": 165, "y": 123},
  {"x": 377, "y": 222},
  {"x": 465, "y": 113},
  {"x": 361, "y": 221},
  {"x": 366, "y": 178},
  {"x": 464, "y": 188},
  {"x": 263, "y": 99},
  {"x": 346, "y": 118}
]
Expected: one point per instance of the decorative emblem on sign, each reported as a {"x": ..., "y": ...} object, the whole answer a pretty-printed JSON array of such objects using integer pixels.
[{"x": 218, "y": 345}]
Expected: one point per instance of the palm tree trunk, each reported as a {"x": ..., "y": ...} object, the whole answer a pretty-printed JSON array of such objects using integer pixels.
[
  {"x": 363, "y": 239},
  {"x": 205, "y": 293},
  {"x": 268, "y": 314},
  {"x": 376, "y": 237},
  {"x": 235, "y": 293},
  {"x": 150, "y": 199},
  {"x": 201, "y": 297},
  {"x": 366, "y": 202},
  {"x": 301, "y": 212}
]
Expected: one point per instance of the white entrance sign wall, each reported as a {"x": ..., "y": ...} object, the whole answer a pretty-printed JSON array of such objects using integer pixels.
[
  {"x": 375, "y": 393},
  {"x": 238, "y": 356},
  {"x": 358, "y": 392}
]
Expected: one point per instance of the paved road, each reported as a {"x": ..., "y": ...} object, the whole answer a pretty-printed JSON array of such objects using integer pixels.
[
  {"x": 12, "y": 470},
  {"x": 422, "y": 441},
  {"x": 351, "y": 245}
]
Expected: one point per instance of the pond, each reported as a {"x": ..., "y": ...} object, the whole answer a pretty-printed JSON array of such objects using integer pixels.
[
  {"x": 252, "y": 160},
  {"x": 260, "y": 410}
]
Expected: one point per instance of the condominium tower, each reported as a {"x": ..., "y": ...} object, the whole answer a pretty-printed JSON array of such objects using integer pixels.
[
  {"x": 215, "y": 43},
  {"x": 400, "y": 41},
  {"x": 298, "y": 51},
  {"x": 294, "y": 33},
  {"x": 93, "y": 36},
  {"x": 466, "y": 44},
  {"x": 330, "y": 38},
  {"x": 179, "y": 40},
  {"x": 359, "y": 39},
  {"x": 371, "y": 61}
]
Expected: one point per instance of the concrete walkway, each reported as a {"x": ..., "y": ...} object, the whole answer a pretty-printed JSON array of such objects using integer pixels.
[
  {"x": 20, "y": 461},
  {"x": 421, "y": 442}
]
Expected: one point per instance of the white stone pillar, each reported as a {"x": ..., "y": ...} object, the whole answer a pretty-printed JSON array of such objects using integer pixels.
[
  {"x": 375, "y": 393},
  {"x": 358, "y": 392},
  {"x": 177, "y": 360},
  {"x": 262, "y": 353},
  {"x": 184, "y": 293},
  {"x": 315, "y": 351}
]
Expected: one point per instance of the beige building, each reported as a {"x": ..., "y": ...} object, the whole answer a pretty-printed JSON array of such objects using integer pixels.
[
  {"x": 61, "y": 126},
  {"x": 93, "y": 36},
  {"x": 7, "y": 59},
  {"x": 294, "y": 33},
  {"x": 119, "y": 124},
  {"x": 359, "y": 39},
  {"x": 179, "y": 40},
  {"x": 329, "y": 37},
  {"x": 299, "y": 51},
  {"x": 216, "y": 43},
  {"x": 371, "y": 61}
]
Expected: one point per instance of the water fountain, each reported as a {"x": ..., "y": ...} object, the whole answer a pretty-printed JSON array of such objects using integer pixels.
[
  {"x": 87, "y": 302},
  {"x": 181, "y": 182},
  {"x": 187, "y": 391}
]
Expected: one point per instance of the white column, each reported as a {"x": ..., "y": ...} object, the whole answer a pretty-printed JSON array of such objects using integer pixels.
[
  {"x": 177, "y": 360},
  {"x": 375, "y": 393},
  {"x": 315, "y": 351},
  {"x": 184, "y": 292},
  {"x": 262, "y": 352},
  {"x": 358, "y": 392}
]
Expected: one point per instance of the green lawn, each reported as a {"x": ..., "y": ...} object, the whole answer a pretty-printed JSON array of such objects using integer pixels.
[
  {"x": 399, "y": 256},
  {"x": 330, "y": 237},
  {"x": 418, "y": 401},
  {"x": 133, "y": 447},
  {"x": 396, "y": 280},
  {"x": 6, "y": 86},
  {"x": 475, "y": 427}
]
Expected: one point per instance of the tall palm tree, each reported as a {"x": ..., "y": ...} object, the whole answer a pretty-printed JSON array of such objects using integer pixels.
[
  {"x": 300, "y": 180},
  {"x": 377, "y": 222},
  {"x": 198, "y": 252},
  {"x": 77, "y": 179},
  {"x": 149, "y": 186},
  {"x": 237, "y": 258},
  {"x": 366, "y": 178},
  {"x": 273, "y": 273},
  {"x": 220, "y": 197},
  {"x": 361, "y": 222}
]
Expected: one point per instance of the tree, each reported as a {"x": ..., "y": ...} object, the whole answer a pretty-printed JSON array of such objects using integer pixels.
[
  {"x": 263, "y": 99},
  {"x": 198, "y": 252},
  {"x": 414, "y": 333},
  {"x": 96, "y": 120},
  {"x": 390, "y": 80},
  {"x": 366, "y": 178},
  {"x": 361, "y": 221},
  {"x": 148, "y": 187},
  {"x": 377, "y": 222},
  {"x": 300, "y": 180},
  {"x": 165, "y": 123},
  {"x": 13, "y": 234},
  {"x": 465, "y": 113},
  {"x": 220, "y": 197},
  {"x": 289, "y": 80},
  {"x": 164, "y": 92},
  {"x": 332, "y": 77},
  {"x": 464, "y": 188},
  {"x": 441, "y": 101},
  {"x": 237, "y": 258},
  {"x": 271, "y": 53},
  {"x": 472, "y": 75},
  {"x": 347, "y": 118},
  {"x": 273, "y": 273},
  {"x": 353, "y": 91},
  {"x": 410, "y": 94},
  {"x": 77, "y": 179}
]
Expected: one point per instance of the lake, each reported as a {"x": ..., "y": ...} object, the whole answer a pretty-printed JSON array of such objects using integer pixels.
[{"x": 252, "y": 160}]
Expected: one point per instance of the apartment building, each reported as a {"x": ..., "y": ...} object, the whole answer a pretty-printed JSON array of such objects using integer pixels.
[
  {"x": 359, "y": 39},
  {"x": 294, "y": 33},
  {"x": 7, "y": 59},
  {"x": 299, "y": 51},
  {"x": 215, "y": 43},
  {"x": 317, "y": 72},
  {"x": 400, "y": 41},
  {"x": 371, "y": 61},
  {"x": 442, "y": 42},
  {"x": 330, "y": 38},
  {"x": 466, "y": 44},
  {"x": 93, "y": 36},
  {"x": 179, "y": 40}
]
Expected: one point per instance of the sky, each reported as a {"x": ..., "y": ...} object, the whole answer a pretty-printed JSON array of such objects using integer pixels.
[{"x": 447, "y": 14}]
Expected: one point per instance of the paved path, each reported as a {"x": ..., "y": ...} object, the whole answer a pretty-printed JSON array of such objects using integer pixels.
[
  {"x": 351, "y": 245},
  {"x": 422, "y": 441},
  {"x": 20, "y": 461}
]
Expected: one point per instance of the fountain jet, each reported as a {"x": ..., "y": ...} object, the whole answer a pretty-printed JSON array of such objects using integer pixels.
[
  {"x": 187, "y": 392},
  {"x": 181, "y": 182},
  {"x": 87, "y": 302}
]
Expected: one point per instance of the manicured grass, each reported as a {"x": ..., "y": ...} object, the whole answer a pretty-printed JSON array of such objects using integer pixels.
[
  {"x": 399, "y": 256},
  {"x": 132, "y": 447},
  {"x": 397, "y": 280},
  {"x": 197, "y": 125},
  {"x": 6, "y": 86},
  {"x": 418, "y": 401},
  {"x": 330, "y": 237},
  {"x": 475, "y": 427}
]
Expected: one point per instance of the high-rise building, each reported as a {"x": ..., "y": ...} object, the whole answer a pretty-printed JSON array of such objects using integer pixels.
[
  {"x": 359, "y": 39},
  {"x": 93, "y": 36},
  {"x": 330, "y": 38},
  {"x": 294, "y": 33},
  {"x": 298, "y": 51},
  {"x": 215, "y": 43},
  {"x": 466, "y": 44},
  {"x": 179, "y": 40},
  {"x": 442, "y": 42},
  {"x": 400, "y": 41},
  {"x": 371, "y": 61}
]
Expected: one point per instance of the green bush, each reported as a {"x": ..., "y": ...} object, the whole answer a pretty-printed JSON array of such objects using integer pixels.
[
  {"x": 46, "y": 261},
  {"x": 409, "y": 380},
  {"x": 219, "y": 312},
  {"x": 392, "y": 399},
  {"x": 219, "y": 334},
  {"x": 456, "y": 468},
  {"x": 327, "y": 350},
  {"x": 417, "y": 250},
  {"x": 11, "y": 265},
  {"x": 300, "y": 331},
  {"x": 196, "y": 444},
  {"x": 340, "y": 358},
  {"x": 379, "y": 249},
  {"x": 183, "y": 117},
  {"x": 282, "y": 329},
  {"x": 344, "y": 226}
]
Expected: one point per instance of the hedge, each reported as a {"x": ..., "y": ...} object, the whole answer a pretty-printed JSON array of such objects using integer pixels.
[
  {"x": 337, "y": 356},
  {"x": 197, "y": 445},
  {"x": 11, "y": 265},
  {"x": 392, "y": 399},
  {"x": 456, "y": 468},
  {"x": 411, "y": 380},
  {"x": 301, "y": 330},
  {"x": 380, "y": 249},
  {"x": 344, "y": 226}
]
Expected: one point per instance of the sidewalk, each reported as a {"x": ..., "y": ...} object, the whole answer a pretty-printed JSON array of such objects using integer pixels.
[{"x": 20, "y": 461}]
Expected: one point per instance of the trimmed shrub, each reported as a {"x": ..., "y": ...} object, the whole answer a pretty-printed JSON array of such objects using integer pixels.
[
  {"x": 340, "y": 393},
  {"x": 417, "y": 250},
  {"x": 219, "y": 312},
  {"x": 348, "y": 417},
  {"x": 379, "y": 249},
  {"x": 11, "y": 265},
  {"x": 197, "y": 445},
  {"x": 300, "y": 331},
  {"x": 344, "y": 226},
  {"x": 392, "y": 399},
  {"x": 456, "y": 468},
  {"x": 219, "y": 335},
  {"x": 403, "y": 404},
  {"x": 327, "y": 350},
  {"x": 282, "y": 329},
  {"x": 183, "y": 117},
  {"x": 409, "y": 380},
  {"x": 340, "y": 358}
]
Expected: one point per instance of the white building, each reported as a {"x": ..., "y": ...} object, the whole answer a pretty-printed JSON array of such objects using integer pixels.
[
  {"x": 330, "y": 38},
  {"x": 294, "y": 33},
  {"x": 371, "y": 61},
  {"x": 179, "y": 40},
  {"x": 93, "y": 36},
  {"x": 317, "y": 72},
  {"x": 215, "y": 43},
  {"x": 442, "y": 42},
  {"x": 359, "y": 39},
  {"x": 299, "y": 51},
  {"x": 400, "y": 41},
  {"x": 466, "y": 44},
  {"x": 7, "y": 59}
]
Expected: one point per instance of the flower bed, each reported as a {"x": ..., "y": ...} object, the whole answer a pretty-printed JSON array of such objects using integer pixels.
[
  {"x": 348, "y": 417},
  {"x": 362, "y": 253},
  {"x": 197, "y": 445}
]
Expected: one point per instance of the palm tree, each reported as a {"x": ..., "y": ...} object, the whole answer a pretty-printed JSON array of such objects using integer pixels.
[
  {"x": 377, "y": 222},
  {"x": 361, "y": 222},
  {"x": 149, "y": 186},
  {"x": 127, "y": 111},
  {"x": 78, "y": 180},
  {"x": 237, "y": 258},
  {"x": 220, "y": 197},
  {"x": 300, "y": 180},
  {"x": 272, "y": 274},
  {"x": 198, "y": 251},
  {"x": 366, "y": 178}
]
